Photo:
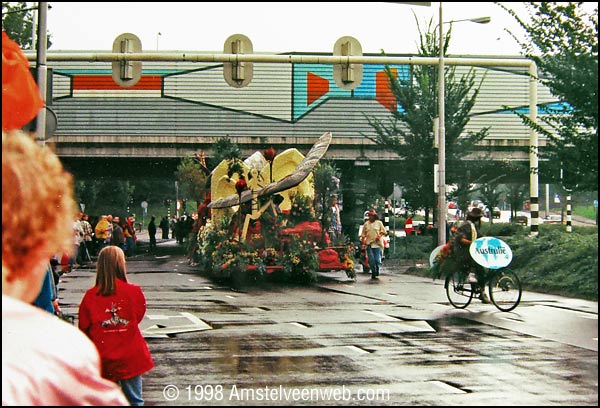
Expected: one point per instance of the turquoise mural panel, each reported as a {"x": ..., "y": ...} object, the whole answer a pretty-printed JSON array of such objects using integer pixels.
[
  {"x": 300, "y": 96},
  {"x": 553, "y": 107},
  {"x": 366, "y": 90},
  {"x": 367, "y": 87}
]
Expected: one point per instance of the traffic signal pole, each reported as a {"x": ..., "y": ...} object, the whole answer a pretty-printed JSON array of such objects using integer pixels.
[{"x": 344, "y": 60}]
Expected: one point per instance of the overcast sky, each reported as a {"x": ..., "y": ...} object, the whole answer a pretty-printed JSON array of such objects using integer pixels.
[{"x": 278, "y": 27}]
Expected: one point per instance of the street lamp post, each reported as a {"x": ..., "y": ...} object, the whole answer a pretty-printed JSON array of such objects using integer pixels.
[
  {"x": 442, "y": 211},
  {"x": 441, "y": 141}
]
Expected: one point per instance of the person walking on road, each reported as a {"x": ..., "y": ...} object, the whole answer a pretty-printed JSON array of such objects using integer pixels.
[
  {"x": 164, "y": 226},
  {"x": 372, "y": 233},
  {"x": 152, "y": 233},
  {"x": 109, "y": 314}
]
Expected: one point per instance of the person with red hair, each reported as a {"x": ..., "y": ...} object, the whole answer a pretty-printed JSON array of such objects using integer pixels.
[{"x": 45, "y": 361}]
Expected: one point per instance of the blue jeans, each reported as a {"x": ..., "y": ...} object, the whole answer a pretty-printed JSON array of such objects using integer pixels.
[
  {"x": 132, "y": 388},
  {"x": 374, "y": 255},
  {"x": 130, "y": 245}
]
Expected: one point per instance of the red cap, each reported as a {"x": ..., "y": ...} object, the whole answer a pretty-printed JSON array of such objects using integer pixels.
[{"x": 21, "y": 99}]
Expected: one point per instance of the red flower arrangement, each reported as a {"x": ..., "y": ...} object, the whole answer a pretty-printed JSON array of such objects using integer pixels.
[
  {"x": 269, "y": 155},
  {"x": 241, "y": 185}
]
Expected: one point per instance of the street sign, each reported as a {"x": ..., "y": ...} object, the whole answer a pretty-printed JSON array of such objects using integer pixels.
[
  {"x": 51, "y": 124},
  {"x": 144, "y": 204}
]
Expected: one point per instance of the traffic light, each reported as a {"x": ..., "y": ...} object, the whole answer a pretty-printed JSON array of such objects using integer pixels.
[
  {"x": 238, "y": 74},
  {"x": 347, "y": 76},
  {"x": 127, "y": 73}
]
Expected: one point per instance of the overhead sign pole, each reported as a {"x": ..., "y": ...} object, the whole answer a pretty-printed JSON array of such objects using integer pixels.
[{"x": 42, "y": 68}]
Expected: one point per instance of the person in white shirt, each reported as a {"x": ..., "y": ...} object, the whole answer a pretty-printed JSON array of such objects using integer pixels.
[
  {"x": 372, "y": 233},
  {"x": 45, "y": 361}
]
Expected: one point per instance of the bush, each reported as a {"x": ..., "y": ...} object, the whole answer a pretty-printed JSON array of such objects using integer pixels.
[
  {"x": 558, "y": 262},
  {"x": 412, "y": 247},
  {"x": 501, "y": 229}
]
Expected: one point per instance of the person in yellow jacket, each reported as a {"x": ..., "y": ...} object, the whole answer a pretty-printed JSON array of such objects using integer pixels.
[
  {"x": 101, "y": 232},
  {"x": 372, "y": 233}
]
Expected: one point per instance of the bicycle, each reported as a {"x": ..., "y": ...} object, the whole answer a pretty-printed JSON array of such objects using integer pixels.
[
  {"x": 504, "y": 288},
  {"x": 494, "y": 255}
]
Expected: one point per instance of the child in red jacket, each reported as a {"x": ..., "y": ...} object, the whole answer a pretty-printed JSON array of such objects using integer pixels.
[{"x": 109, "y": 314}]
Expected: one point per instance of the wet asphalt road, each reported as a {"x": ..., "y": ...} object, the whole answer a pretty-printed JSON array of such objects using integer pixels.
[{"x": 396, "y": 341}]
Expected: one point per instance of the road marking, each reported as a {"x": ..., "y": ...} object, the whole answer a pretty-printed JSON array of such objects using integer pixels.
[
  {"x": 158, "y": 317},
  {"x": 194, "y": 319},
  {"x": 357, "y": 349},
  {"x": 447, "y": 387},
  {"x": 380, "y": 315},
  {"x": 585, "y": 315}
]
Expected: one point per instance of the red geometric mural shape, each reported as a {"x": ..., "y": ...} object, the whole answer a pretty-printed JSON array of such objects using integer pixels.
[
  {"x": 105, "y": 82},
  {"x": 316, "y": 87},
  {"x": 383, "y": 92}
]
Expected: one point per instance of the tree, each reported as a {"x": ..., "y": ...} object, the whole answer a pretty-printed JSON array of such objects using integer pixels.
[
  {"x": 326, "y": 181},
  {"x": 225, "y": 149},
  {"x": 104, "y": 196},
  {"x": 17, "y": 21},
  {"x": 18, "y": 24},
  {"x": 417, "y": 100},
  {"x": 192, "y": 179},
  {"x": 516, "y": 197},
  {"x": 563, "y": 42}
]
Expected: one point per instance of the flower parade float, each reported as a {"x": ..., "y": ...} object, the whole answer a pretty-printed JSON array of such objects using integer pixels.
[{"x": 263, "y": 221}]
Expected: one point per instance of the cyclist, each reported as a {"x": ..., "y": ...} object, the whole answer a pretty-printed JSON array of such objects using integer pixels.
[{"x": 466, "y": 233}]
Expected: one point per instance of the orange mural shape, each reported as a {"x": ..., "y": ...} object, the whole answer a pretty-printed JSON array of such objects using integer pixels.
[{"x": 383, "y": 91}]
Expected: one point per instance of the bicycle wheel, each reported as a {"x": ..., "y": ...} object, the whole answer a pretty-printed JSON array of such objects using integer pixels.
[
  {"x": 505, "y": 290},
  {"x": 459, "y": 291}
]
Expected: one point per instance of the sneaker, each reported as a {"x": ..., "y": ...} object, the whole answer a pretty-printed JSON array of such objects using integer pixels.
[
  {"x": 472, "y": 278},
  {"x": 374, "y": 278},
  {"x": 484, "y": 298}
]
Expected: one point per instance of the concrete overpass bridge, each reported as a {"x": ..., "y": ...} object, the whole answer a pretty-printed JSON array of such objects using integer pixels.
[{"x": 179, "y": 108}]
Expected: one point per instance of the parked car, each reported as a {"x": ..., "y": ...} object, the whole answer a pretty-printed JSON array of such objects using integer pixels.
[
  {"x": 553, "y": 219},
  {"x": 495, "y": 212},
  {"x": 522, "y": 218}
]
